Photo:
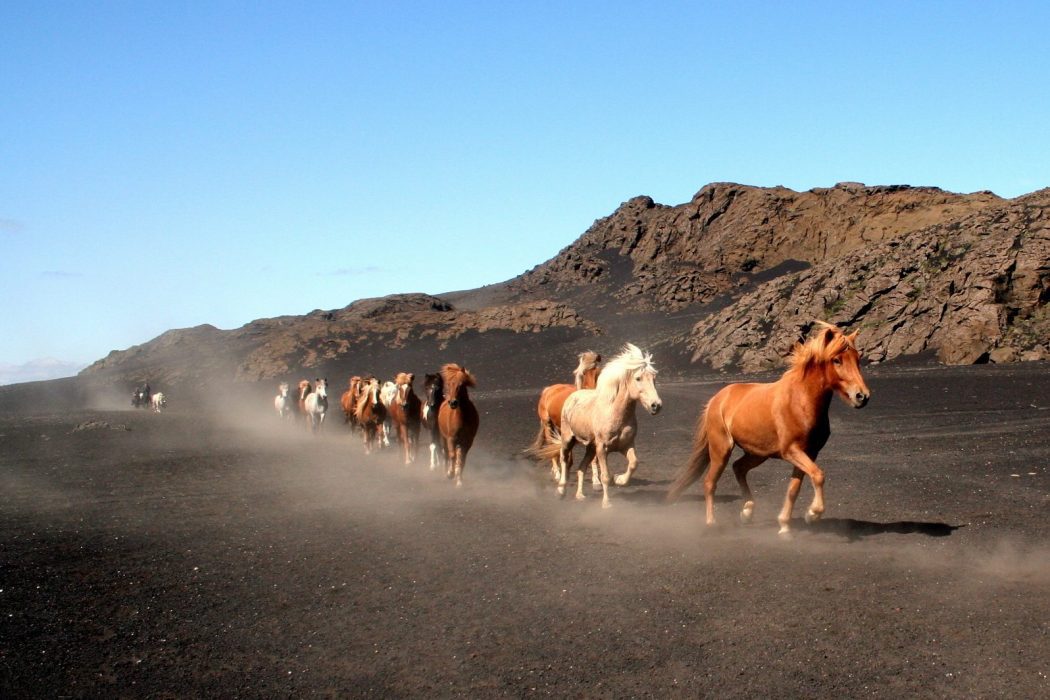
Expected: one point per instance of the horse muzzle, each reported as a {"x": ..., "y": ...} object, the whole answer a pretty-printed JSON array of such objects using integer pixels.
[
  {"x": 860, "y": 399},
  {"x": 453, "y": 404},
  {"x": 655, "y": 407}
]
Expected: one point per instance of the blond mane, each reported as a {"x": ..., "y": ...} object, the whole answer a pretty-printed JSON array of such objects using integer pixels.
[
  {"x": 588, "y": 361},
  {"x": 619, "y": 369},
  {"x": 821, "y": 347}
]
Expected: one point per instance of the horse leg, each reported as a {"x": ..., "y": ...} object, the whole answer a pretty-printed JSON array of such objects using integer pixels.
[
  {"x": 740, "y": 469},
  {"x": 719, "y": 447},
  {"x": 461, "y": 457},
  {"x": 601, "y": 453},
  {"x": 803, "y": 464},
  {"x": 450, "y": 458},
  {"x": 632, "y": 464},
  {"x": 588, "y": 456},
  {"x": 564, "y": 460}
]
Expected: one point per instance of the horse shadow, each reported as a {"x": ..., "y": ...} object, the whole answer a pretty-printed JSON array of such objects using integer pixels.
[{"x": 855, "y": 530}]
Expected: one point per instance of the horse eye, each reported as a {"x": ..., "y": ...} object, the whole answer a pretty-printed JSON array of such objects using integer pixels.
[{"x": 837, "y": 361}]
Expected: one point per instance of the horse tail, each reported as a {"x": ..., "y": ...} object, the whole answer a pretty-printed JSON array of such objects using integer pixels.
[
  {"x": 698, "y": 461},
  {"x": 547, "y": 445}
]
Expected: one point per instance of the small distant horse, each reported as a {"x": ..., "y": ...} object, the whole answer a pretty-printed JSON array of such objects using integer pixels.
[
  {"x": 457, "y": 419},
  {"x": 305, "y": 389},
  {"x": 140, "y": 398},
  {"x": 387, "y": 393},
  {"x": 282, "y": 403},
  {"x": 433, "y": 395},
  {"x": 787, "y": 419},
  {"x": 405, "y": 414},
  {"x": 604, "y": 419},
  {"x": 370, "y": 414},
  {"x": 552, "y": 398},
  {"x": 157, "y": 401},
  {"x": 316, "y": 405},
  {"x": 348, "y": 400}
]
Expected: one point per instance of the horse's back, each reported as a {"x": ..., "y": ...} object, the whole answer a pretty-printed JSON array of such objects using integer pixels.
[{"x": 552, "y": 399}]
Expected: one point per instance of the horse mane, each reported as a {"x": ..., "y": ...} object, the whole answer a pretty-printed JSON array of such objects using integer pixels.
[
  {"x": 588, "y": 361},
  {"x": 366, "y": 395},
  {"x": 452, "y": 370},
  {"x": 617, "y": 370},
  {"x": 820, "y": 348}
]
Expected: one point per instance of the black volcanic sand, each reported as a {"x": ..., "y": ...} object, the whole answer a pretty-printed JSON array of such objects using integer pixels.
[{"x": 220, "y": 553}]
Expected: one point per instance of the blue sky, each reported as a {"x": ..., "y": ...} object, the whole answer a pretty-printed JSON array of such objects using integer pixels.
[{"x": 167, "y": 164}]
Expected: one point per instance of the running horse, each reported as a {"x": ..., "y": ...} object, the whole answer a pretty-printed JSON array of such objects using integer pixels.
[
  {"x": 457, "y": 419},
  {"x": 434, "y": 394},
  {"x": 787, "y": 419},
  {"x": 552, "y": 398},
  {"x": 603, "y": 418},
  {"x": 405, "y": 414},
  {"x": 348, "y": 401},
  {"x": 282, "y": 403},
  {"x": 316, "y": 405},
  {"x": 305, "y": 389},
  {"x": 370, "y": 414}
]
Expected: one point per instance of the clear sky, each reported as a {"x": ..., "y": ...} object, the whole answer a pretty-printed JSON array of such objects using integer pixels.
[{"x": 167, "y": 164}]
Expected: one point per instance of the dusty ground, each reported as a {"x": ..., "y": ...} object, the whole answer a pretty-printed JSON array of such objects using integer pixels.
[{"x": 196, "y": 554}]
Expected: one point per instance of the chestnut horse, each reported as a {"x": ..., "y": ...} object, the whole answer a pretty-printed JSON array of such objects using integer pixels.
[
  {"x": 370, "y": 414},
  {"x": 433, "y": 395},
  {"x": 405, "y": 412},
  {"x": 603, "y": 418},
  {"x": 348, "y": 401},
  {"x": 552, "y": 398},
  {"x": 305, "y": 389},
  {"x": 787, "y": 419},
  {"x": 458, "y": 419}
]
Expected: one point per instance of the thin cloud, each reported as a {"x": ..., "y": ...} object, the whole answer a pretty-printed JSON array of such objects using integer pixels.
[
  {"x": 60, "y": 274},
  {"x": 12, "y": 227}
]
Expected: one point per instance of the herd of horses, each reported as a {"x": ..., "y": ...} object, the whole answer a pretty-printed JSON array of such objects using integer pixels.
[
  {"x": 376, "y": 411},
  {"x": 785, "y": 419}
]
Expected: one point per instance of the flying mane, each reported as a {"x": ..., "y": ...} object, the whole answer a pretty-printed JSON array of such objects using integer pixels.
[
  {"x": 819, "y": 349},
  {"x": 452, "y": 369},
  {"x": 619, "y": 369}
]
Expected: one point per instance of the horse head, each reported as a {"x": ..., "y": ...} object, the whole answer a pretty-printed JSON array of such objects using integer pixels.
[
  {"x": 456, "y": 380},
  {"x": 433, "y": 390},
  {"x": 586, "y": 372},
  {"x": 404, "y": 387},
  {"x": 322, "y": 388},
  {"x": 631, "y": 373},
  {"x": 832, "y": 356}
]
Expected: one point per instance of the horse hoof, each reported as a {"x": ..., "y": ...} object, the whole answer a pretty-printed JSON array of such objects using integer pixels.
[
  {"x": 561, "y": 490},
  {"x": 596, "y": 486},
  {"x": 581, "y": 497},
  {"x": 812, "y": 517},
  {"x": 785, "y": 533},
  {"x": 606, "y": 504},
  {"x": 622, "y": 479},
  {"x": 745, "y": 516}
]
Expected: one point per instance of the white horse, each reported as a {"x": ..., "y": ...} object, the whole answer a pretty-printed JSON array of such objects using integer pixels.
[
  {"x": 157, "y": 401},
  {"x": 317, "y": 405},
  {"x": 603, "y": 418},
  {"x": 387, "y": 394},
  {"x": 282, "y": 403}
]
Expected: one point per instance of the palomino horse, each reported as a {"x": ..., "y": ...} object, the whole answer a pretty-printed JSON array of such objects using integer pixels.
[
  {"x": 433, "y": 395},
  {"x": 282, "y": 403},
  {"x": 348, "y": 400},
  {"x": 552, "y": 398},
  {"x": 457, "y": 419},
  {"x": 370, "y": 414},
  {"x": 787, "y": 419},
  {"x": 157, "y": 401},
  {"x": 603, "y": 418},
  {"x": 405, "y": 415},
  {"x": 316, "y": 405}
]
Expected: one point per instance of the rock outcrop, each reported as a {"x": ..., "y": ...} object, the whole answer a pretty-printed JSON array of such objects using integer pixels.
[{"x": 971, "y": 290}]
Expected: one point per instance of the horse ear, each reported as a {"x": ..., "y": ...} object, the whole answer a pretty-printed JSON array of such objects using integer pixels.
[
  {"x": 827, "y": 336},
  {"x": 852, "y": 337}
]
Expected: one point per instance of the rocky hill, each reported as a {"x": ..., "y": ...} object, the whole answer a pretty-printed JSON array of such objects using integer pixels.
[{"x": 729, "y": 279}]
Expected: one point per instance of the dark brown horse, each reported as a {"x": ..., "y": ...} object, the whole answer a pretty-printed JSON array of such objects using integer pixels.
[
  {"x": 405, "y": 413},
  {"x": 433, "y": 396},
  {"x": 370, "y": 414},
  {"x": 458, "y": 419},
  {"x": 787, "y": 418}
]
